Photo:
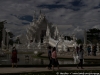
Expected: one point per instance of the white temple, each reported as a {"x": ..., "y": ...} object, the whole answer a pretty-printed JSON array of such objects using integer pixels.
[{"x": 42, "y": 31}]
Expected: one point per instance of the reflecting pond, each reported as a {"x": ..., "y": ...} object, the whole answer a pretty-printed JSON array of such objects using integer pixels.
[{"x": 27, "y": 59}]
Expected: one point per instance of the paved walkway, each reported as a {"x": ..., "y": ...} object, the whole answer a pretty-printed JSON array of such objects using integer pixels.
[
  {"x": 39, "y": 69},
  {"x": 35, "y": 69},
  {"x": 70, "y": 55}
]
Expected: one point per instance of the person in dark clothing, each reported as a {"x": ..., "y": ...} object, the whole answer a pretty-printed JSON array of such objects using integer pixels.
[
  {"x": 77, "y": 50},
  {"x": 89, "y": 50},
  {"x": 80, "y": 57},
  {"x": 54, "y": 59},
  {"x": 94, "y": 50},
  {"x": 49, "y": 57},
  {"x": 14, "y": 57}
]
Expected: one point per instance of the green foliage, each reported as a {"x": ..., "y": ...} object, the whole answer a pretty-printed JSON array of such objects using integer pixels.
[
  {"x": 2, "y": 24},
  {"x": 11, "y": 42},
  {"x": 17, "y": 41},
  {"x": 69, "y": 38},
  {"x": 93, "y": 35},
  {"x": 79, "y": 41},
  {"x": 11, "y": 34}
]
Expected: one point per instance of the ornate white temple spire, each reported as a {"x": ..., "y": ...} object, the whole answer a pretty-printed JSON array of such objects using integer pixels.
[
  {"x": 56, "y": 33},
  {"x": 34, "y": 26},
  {"x": 48, "y": 32},
  {"x": 29, "y": 33},
  {"x": 34, "y": 17}
]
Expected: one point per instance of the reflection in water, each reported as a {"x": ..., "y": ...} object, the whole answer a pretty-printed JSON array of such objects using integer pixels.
[
  {"x": 26, "y": 59},
  {"x": 66, "y": 62},
  {"x": 42, "y": 62}
]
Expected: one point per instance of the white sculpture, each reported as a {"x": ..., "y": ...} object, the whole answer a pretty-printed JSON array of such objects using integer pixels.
[
  {"x": 48, "y": 32},
  {"x": 39, "y": 45},
  {"x": 56, "y": 33},
  {"x": 74, "y": 37},
  {"x": 64, "y": 47},
  {"x": 35, "y": 52}
]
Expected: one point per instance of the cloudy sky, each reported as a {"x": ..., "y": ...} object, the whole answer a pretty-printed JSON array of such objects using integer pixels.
[{"x": 71, "y": 16}]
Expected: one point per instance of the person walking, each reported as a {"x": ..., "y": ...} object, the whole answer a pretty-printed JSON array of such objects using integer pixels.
[
  {"x": 89, "y": 50},
  {"x": 54, "y": 59},
  {"x": 77, "y": 50},
  {"x": 14, "y": 57},
  {"x": 80, "y": 57},
  {"x": 49, "y": 57},
  {"x": 94, "y": 50}
]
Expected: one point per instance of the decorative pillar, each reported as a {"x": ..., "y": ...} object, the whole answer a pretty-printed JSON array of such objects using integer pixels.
[
  {"x": 85, "y": 41},
  {"x": 7, "y": 41},
  {"x": 3, "y": 38}
]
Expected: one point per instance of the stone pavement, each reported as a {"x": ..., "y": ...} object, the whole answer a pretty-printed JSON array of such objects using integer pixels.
[
  {"x": 39, "y": 69},
  {"x": 70, "y": 55}
]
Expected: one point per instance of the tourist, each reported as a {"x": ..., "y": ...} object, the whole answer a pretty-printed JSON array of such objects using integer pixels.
[
  {"x": 14, "y": 57},
  {"x": 80, "y": 57},
  {"x": 49, "y": 57},
  {"x": 54, "y": 59},
  {"x": 77, "y": 50},
  {"x": 89, "y": 50},
  {"x": 94, "y": 50}
]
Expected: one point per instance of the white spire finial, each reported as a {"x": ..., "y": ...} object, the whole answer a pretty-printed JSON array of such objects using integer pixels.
[
  {"x": 56, "y": 33},
  {"x": 48, "y": 31}
]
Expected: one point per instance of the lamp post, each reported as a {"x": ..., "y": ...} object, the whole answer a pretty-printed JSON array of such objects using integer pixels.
[
  {"x": 3, "y": 38},
  {"x": 7, "y": 38}
]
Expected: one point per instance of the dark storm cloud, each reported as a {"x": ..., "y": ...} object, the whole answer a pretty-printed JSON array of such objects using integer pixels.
[
  {"x": 75, "y": 15},
  {"x": 51, "y": 6}
]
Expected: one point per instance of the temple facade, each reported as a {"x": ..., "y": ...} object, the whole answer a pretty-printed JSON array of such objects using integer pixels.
[
  {"x": 41, "y": 33},
  {"x": 39, "y": 28}
]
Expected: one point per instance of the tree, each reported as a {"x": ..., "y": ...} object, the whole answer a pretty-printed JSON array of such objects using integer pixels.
[
  {"x": 11, "y": 41},
  {"x": 69, "y": 38},
  {"x": 9, "y": 33},
  {"x": 79, "y": 41},
  {"x": 93, "y": 35},
  {"x": 1, "y": 29},
  {"x": 17, "y": 41}
]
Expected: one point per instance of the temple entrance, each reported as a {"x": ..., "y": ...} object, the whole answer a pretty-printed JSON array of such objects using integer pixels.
[{"x": 43, "y": 33}]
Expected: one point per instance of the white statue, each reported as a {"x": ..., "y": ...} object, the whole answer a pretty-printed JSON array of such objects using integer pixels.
[
  {"x": 64, "y": 47},
  {"x": 39, "y": 45},
  {"x": 30, "y": 45}
]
